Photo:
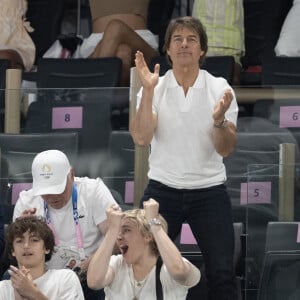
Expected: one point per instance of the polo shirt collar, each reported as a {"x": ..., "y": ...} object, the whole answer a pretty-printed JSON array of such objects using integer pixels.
[{"x": 199, "y": 82}]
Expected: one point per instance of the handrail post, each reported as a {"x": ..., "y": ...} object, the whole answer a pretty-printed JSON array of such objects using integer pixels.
[
  {"x": 12, "y": 101},
  {"x": 286, "y": 182},
  {"x": 141, "y": 154}
]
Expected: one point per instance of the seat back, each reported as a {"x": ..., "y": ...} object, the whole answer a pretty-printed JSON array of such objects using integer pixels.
[
  {"x": 121, "y": 172},
  {"x": 17, "y": 153},
  {"x": 281, "y": 71},
  {"x": 20, "y": 149},
  {"x": 45, "y": 33},
  {"x": 262, "y": 28},
  {"x": 280, "y": 274},
  {"x": 88, "y": 115},
  {"x": 220, "y": 66},
  {"x": 162, "y": 61},
  {"x": 255, "y": 193},
  {"x": 121, "y": 150},
  {"x": 283, "y": 113},
  {"x": 258, "y": 142},
  {"x": 282, "y": 236},
  {"x": 254, "y": 148},
  {"x": 78, "y": 73}
]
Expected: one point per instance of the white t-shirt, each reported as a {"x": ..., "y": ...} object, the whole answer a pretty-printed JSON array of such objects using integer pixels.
[
  {"x": 182, "y": 150},
  {"x": 123, "y": 286},
  {"x": 54, "y": 284},
  {"x": 93, "y": 199},
  {"x": 288, "y": 43}
]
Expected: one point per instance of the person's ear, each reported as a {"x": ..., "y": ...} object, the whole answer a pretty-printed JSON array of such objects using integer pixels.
[
  {"x": 47, "y": 251},
  {"x": 149, "y": 237},
  {"x": 72, "y": 174},
  {"x": 13, "y": 253}
]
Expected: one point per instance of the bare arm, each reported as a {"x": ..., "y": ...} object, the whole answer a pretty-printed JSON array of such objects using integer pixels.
[
  {"x": 144, "y": 122},
  {"x": 224, "y": 137},
  {"x": 84, "y": 264},
  {"x": 103, "y": 227},
  {"x": 179, "y": 269},
  {"x": 99, "y": 273}
]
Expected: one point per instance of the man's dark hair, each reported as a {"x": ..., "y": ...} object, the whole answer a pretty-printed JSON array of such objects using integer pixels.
[{"x": 35, "y": 225}]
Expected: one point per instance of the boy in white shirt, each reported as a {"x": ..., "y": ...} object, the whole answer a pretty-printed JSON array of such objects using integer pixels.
[{"x": 31, "y": 242}]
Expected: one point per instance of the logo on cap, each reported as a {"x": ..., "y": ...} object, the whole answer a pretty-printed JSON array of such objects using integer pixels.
[{"x": 46, "y": 171}]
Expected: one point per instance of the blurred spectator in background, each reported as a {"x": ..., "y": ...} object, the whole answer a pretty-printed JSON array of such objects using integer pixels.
[
  {"x": 224, "y": 23},
  {"x": 288, "y": 43},
  {"x": 46, "y": 18},
  {"x": 159, "y": 15},
  {"x": 262, "y": 23},
  {"x": 120, "y": 29},
  {"x": 15, "y": 42}
]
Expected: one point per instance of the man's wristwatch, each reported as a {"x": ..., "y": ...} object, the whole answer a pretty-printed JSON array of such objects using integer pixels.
[
  {"x": 155, "y": 221},
  {"x": 223, "y": 124}
]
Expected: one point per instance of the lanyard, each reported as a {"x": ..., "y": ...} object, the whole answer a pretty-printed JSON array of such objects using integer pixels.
[{"x": 78, "y": 233}]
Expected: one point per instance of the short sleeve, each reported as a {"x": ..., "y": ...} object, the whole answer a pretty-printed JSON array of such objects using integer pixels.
[{"x": 71, "y": 287}]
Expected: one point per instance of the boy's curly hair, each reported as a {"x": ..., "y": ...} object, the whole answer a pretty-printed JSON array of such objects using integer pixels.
[{"x": 33, "y": 224}]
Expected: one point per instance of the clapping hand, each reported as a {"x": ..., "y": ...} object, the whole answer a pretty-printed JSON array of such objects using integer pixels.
[
  {"x": 22, "y": 282},
  {"x": 148, "y": 79},
  {"x": 222, "y": 106}
]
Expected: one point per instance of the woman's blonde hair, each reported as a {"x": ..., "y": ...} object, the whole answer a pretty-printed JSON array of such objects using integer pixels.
[{"x": 139, "y": 218}]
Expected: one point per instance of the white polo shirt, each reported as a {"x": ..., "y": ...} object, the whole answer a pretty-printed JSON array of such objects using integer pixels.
[{"x": 182, "y": 150}]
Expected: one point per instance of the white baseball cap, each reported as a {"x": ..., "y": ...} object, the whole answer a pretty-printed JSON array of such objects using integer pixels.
[{"x": 50, "y": 170}]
